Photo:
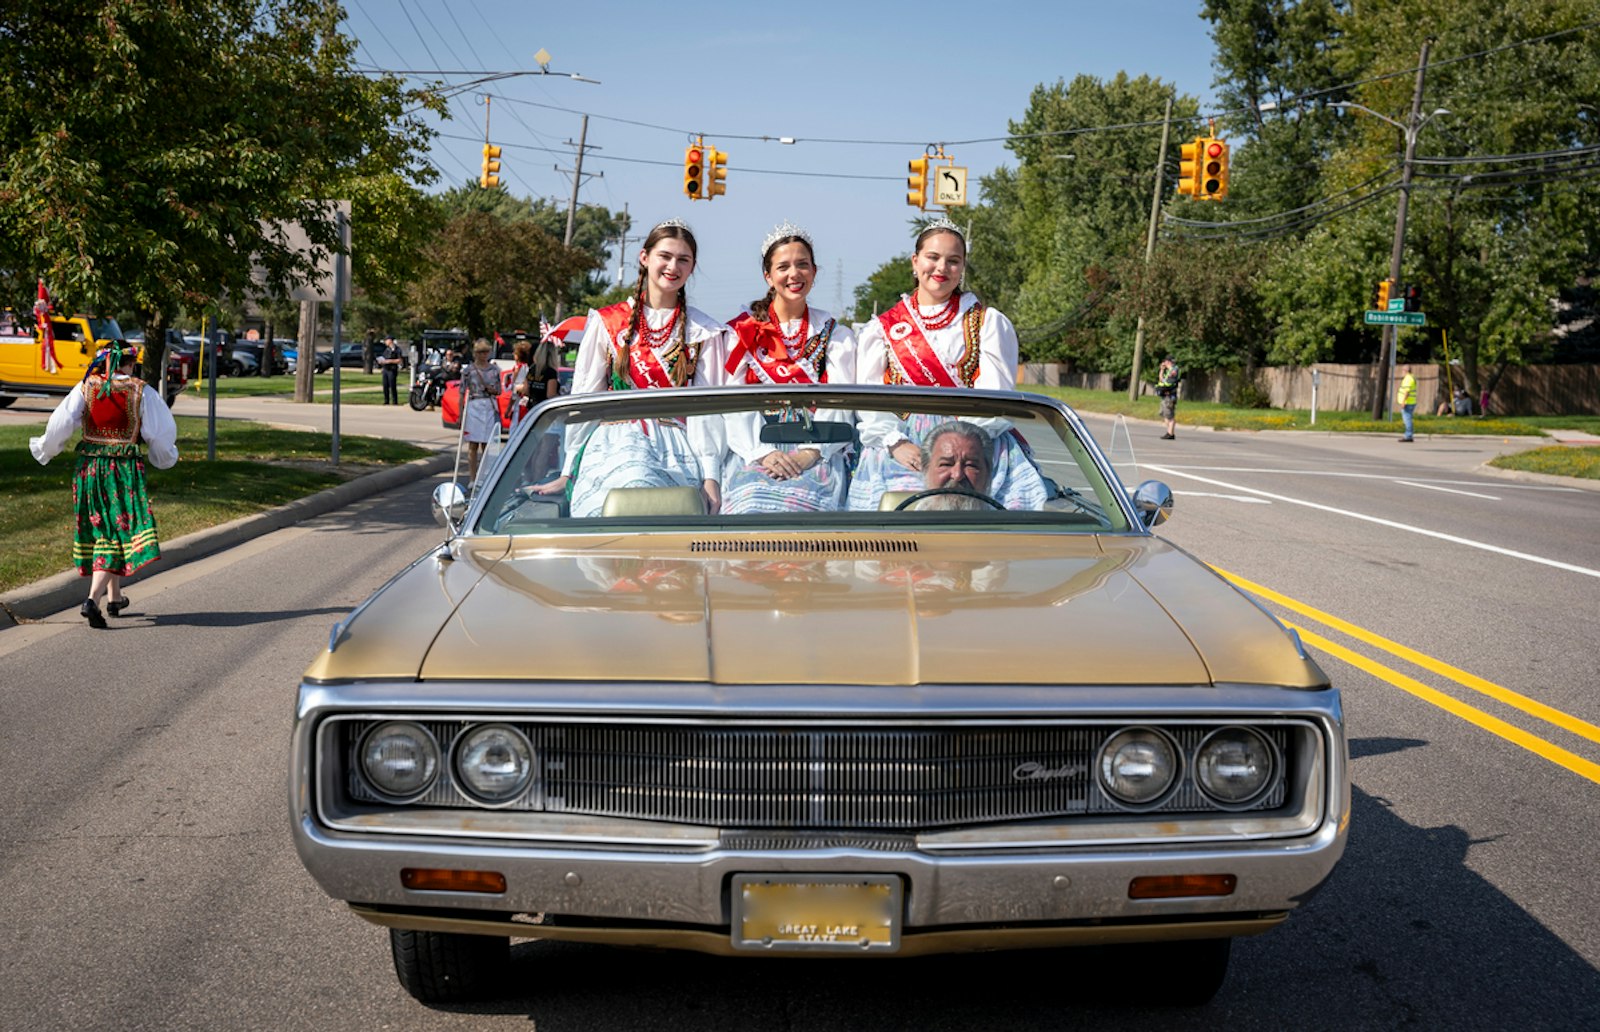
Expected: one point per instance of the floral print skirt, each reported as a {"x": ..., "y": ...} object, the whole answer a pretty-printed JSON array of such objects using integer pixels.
[{"x": 116, "y": 531}]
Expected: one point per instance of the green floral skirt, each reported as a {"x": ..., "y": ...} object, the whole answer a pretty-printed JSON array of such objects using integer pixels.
[{"x": 116, "y": 531}]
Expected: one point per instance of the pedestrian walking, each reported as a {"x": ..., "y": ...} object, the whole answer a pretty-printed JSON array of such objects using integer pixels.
[
  {"x": 389, "y": 360},
  {"x": 480, "y": 413},
  {"x": 1168, "y": 376},
  {"x": 1406, "y": 398},
  {"x": 115, "y": 529}
]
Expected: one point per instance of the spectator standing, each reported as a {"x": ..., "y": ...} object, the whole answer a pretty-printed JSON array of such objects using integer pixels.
[
  {"x": 480, "y": 415},
  {"x": 1406, "y": 398},
  {"x": 1168, "y": 376},
  {"x": 389, "y": 360}
]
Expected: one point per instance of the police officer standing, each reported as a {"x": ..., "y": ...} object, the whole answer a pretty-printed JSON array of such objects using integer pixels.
[{"x": 389, "y": 360}]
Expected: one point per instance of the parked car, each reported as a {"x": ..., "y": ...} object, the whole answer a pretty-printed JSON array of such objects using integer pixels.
[
  {"x": 1020, "y": 721},
  {"x": 246, "y": 357}
]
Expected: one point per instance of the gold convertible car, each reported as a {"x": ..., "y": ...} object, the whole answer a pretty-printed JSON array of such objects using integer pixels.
[{"x": 911, "y": 674}]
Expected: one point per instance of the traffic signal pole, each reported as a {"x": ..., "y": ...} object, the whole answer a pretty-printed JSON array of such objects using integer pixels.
[
  {"x": 1382, "y": 404},
  {"x": 1150, "y": 247}
]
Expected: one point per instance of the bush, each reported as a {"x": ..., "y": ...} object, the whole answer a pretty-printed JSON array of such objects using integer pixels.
[{"x": 1249, "y": 395}]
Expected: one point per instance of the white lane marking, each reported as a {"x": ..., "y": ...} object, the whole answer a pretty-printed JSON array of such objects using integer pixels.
[
  {"x": 1385, "y": 523},
  {"x": 1499, "y": 486},
  {"x": 1229, "y": 497},
  {"x": 1436, "y": 487}
]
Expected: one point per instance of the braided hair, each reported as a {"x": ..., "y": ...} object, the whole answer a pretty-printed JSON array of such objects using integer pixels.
[
  {"x": 665, "y": 231},
  {"x": 760, "y": 307}
]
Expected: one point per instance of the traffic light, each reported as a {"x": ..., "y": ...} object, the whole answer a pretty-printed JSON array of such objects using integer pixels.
[
  {"x": 694, "y": 171},
  {"x": 917, "y": 183},
  {"x": 1413, "y": 295},
  {"x": 715, "y": 172},
  {"x": 1214, "y": 169},
  {"x": 1381, "y": 298},
  {"x": 491, "y": 167},
  {"x": 1189, "y": 167}
]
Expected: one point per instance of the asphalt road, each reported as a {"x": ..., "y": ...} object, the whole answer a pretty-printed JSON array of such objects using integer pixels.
[{"x": 150, "y": 880}]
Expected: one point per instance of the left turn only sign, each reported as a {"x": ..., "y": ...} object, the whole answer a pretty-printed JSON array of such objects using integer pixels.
[{"x": 950, "y": 185}]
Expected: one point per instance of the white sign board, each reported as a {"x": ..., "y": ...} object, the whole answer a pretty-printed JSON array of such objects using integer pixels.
[
  {"x": 949, "y": 185},
  {"x": 320, "y": 288}
]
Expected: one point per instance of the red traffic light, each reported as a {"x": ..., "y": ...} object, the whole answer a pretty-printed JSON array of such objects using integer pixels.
[
  {"x": 1213, "y": 149},
  {"x": 694, "y": 155}
]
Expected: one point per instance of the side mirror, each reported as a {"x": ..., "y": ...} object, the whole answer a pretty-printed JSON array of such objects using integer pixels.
[
  {"x": 449, "y": 506},
  {"x": 1153, "y": 502}
]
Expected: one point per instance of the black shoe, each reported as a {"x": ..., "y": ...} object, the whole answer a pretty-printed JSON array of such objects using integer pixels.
[
  {"x": 116, "y": 608},
  {"x": 1406, "y": 440},
  {"x": 1169, "y": 437},
  {"x": 90, "y": 611}
]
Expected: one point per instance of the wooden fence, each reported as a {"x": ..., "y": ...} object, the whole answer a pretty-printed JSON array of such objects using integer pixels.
[{"x": 1524, "y": 390}]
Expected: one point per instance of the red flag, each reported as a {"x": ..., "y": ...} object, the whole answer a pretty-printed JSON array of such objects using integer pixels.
[{"x": 47, "y": 331}]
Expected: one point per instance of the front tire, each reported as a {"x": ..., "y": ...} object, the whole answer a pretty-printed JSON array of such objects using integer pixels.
[
  {"x": 1191, "y": 971},
  {"x": 446, "y": 967},
  {"x": 5, "y": 402},
  {"x": 419, "y": 398}
]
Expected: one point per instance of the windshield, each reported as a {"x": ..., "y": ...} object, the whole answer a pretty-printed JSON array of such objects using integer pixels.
[
  {"x": 105, "y": 329},
  {"x": 812, "y": 458}
]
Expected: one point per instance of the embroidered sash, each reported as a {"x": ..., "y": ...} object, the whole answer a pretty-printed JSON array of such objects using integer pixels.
[
  {"x": 645, "y": 367},
  {"x": 114, "y": 418},
  {"x": 761, "y": 364},
  {"x": 911, "y": 358}
]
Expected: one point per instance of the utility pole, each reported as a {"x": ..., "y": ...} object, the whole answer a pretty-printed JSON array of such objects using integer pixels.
[
  {"x": 1150, "y": 246},
  {"x": 572, "y": 205},
  {"x": 1381, "y": 403},
  {"x": 622, "y": 244}
]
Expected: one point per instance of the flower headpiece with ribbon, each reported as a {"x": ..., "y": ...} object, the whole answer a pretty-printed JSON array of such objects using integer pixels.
[{"x": 114, "y": 354}]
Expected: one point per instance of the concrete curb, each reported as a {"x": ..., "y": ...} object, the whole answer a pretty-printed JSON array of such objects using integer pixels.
[
  {"x": 1527, "y": 477},
  {"x": 62, "y": 590}
]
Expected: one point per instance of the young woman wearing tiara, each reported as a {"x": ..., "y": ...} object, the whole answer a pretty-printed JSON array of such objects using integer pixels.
[
  {"x": 653, "y": 339},
  {"x": 938, "y": 336},
  {"x": 783, "y": 340}
]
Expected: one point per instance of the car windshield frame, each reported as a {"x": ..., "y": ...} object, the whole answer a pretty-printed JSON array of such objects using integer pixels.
[{"x": 1093, "y": 501}]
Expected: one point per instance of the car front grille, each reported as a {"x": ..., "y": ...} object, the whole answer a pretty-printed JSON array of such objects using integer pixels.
[{"x": 818, "y": 778}]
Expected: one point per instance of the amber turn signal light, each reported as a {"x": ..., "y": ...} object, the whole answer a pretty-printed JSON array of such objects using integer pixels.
[
  {"x": 1168, "y": 886},
  {"x": 436, "y": 879}
]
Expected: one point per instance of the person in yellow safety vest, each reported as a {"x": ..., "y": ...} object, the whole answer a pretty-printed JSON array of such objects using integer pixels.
[{"x": 1406, "y": 398}]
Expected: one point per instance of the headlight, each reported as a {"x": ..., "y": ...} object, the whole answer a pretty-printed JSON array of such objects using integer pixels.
[
  {"x": 1234, "y": 765},
  {"x": 494, "y": 762},
  {"x": 1138, "y": 766},
  {"x": 400, "y": 759}
]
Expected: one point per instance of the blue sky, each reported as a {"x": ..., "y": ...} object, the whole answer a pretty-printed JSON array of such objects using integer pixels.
[{"x": 892, "y": 76}]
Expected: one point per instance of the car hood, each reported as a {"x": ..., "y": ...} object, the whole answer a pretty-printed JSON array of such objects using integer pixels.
[{"x": 938, "y": 609}]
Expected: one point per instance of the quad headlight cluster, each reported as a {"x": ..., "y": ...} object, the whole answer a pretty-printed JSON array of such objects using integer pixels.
[
  {"x": 1140, "y": 767},
  {"x": 491, "y": 763}
]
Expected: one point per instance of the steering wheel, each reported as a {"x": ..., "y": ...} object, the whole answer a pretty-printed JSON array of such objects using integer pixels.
[{"x": 930, "y": 492}]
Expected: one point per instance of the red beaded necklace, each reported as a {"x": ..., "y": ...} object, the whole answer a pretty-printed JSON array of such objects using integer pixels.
[
  {"x": 795, "y": 342},
  {"x": 652, "y": 338},
  {"x": 939, "y": 320}
]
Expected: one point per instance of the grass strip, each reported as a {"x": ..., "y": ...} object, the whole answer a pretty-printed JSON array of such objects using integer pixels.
[
  {"x": 1559, "y": 461},
  {"x": 257, "y": 467}
]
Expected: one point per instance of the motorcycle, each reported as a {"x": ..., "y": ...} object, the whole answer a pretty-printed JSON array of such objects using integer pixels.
[{"x": 428, "y": 391}]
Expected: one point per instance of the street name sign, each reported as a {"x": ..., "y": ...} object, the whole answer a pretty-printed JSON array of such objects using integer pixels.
[
  {"x": 1373, "y": 318},
  {"x": 1397, "y": 304}
]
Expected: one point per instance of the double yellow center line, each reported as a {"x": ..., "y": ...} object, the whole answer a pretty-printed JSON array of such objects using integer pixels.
[{"x": 1494, "y": 725}]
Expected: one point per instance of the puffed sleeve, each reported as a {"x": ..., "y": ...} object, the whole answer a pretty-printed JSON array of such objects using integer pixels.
[
  {"x": 589, "y": 376},
  {"x": 878, "y": 429},
  {"x": 64, "y": 421},
  {"x": 997, "y": 343},
  {"x": 707, "y": 434},
  {"x": 159, "y": 429}
]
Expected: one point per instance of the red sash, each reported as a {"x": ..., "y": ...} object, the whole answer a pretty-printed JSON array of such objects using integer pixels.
[
  {"x": 765, "y": 360},
  {"x": 644, "y": 368},
  {"x": 911, "y": 358}
]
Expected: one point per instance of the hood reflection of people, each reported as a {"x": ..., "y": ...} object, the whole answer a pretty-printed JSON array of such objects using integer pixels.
[{"x": 956, "y": 455}]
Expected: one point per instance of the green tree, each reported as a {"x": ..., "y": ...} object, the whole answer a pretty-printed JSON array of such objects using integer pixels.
[
  {"x": 883, "y": 288},
  {"x": 150, "y": 146}
]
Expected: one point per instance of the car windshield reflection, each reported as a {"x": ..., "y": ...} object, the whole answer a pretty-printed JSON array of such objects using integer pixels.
[{"x": 814, "y": 458}]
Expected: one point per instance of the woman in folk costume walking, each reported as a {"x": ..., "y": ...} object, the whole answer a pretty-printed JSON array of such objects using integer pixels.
[
  {"x": 480, "y": 415},
  {"x": 938, "y": 336},
  {"x": 783, "y": 340},
  {"x": 653, "y": 339},
  {"x": 116, "y": 532}
]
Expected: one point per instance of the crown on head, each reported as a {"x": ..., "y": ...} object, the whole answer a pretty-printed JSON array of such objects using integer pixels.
[
  {"x": 943, "y": 225},
  {"x": 672, "y": 223},
  {"x": 783, "y": 231}
]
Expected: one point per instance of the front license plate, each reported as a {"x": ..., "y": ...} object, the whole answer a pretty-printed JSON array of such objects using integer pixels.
[{"x": 823, "y": 913}]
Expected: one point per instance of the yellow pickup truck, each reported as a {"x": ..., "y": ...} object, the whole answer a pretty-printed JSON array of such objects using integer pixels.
[{"x": 77, "y": 339}]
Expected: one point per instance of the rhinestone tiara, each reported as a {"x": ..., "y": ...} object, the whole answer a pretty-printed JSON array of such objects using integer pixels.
[
  {"x": 672, "y": 223},
  {"x": 782, "y": 231},
  {"x": 944, "y": 225}
]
